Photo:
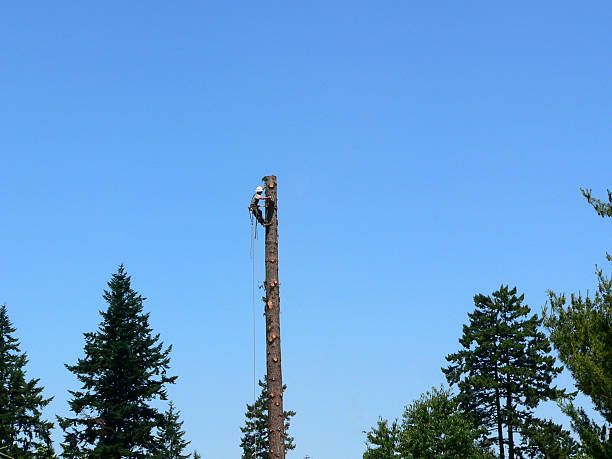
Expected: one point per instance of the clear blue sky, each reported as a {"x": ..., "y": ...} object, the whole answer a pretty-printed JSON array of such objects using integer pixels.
[{"x": 425, "y": 152}]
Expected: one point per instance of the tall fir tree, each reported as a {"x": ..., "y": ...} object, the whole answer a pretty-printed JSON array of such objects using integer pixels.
[
  {"x": 23, "y": 432},
  {"x": 170, "y": 441},
  {"x": 123, "y": 371},
  {"x": 254, "y": 442},
  {"x": 504, "y": 369}
]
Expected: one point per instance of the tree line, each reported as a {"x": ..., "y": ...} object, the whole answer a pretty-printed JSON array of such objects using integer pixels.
[
  {"x": 503, "y": 370},
  {"x": 123, "y": 375}
]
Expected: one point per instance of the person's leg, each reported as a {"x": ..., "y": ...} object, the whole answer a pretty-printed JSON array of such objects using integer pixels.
[{"x": 259, "y": 216}]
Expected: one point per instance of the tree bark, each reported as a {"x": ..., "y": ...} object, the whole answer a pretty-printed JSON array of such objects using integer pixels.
[
  {"x": 500, "y": 431},
  {"x": 510, "y": 420},
  {"x": 276, "y": 421}
]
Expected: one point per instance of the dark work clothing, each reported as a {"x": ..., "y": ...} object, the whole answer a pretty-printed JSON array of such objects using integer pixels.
[{"x": 254, "y": 207}]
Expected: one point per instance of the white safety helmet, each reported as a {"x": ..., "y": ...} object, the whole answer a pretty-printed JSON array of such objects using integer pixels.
[{"x": 259, "y": 189}]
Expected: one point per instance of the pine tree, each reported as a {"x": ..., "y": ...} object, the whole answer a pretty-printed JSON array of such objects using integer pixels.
[
  {"x": 581, "y": 332},
  {"x": 504, "y": 369},
  {"x": 543, "y": 439},
  {"x": 123, "y": 371},
  {"x": 382, "y": 442},
  {"x": 23, "y": 432},
  {"x": 254, "y": 442},
  {"x": 170, "y": 442}
]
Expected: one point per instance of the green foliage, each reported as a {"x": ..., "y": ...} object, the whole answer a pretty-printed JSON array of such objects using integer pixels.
[
  {"x": 504, "y": 369},
  {"x": 434, "y": 427},
  {"x": 254, "y": 442},
  {"x": 23, "y": 432},
  {"x": 603, "y": 209},
  {"x": 382, "y": 442},
  {"x": 124, "y": 369},
  {"x": 170, "y": 442},
  {"x": 596, "y": 440},
  {"x": 581, "y": 332},
  {"x": 543, "y": 439},
  {"x": 197, "y": 455}
]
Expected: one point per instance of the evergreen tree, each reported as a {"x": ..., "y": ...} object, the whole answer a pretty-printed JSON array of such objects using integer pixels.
[
  {"x": 596, "y": 439},
  {"x": 382, "y": 442},
  {"x": 254, "y": 442},
  {"x": 434, "y": 427},
  {"x": 23, "y": 432},
  {"x": 170, "y": 442},
  {"x": 543, "y": 439},
  {"x": 124, "y": 369},
  {"x": 196, "y": 455},
  {"x": 504, "y": 369},
  {"x": 581, "y": 332}
]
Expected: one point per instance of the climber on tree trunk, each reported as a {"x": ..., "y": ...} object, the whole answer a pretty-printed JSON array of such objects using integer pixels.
[{"x": 254, "y": 206}]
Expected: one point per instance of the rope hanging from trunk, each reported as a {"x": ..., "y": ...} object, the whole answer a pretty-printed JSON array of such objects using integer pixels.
[{"x": 255, "y": 269}]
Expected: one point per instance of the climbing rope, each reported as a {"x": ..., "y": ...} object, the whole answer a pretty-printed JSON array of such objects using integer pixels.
[{"x": 255, "y": 273}]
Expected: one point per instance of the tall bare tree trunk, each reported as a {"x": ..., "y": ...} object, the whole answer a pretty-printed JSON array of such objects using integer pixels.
[{"x": 276, "y": 421}]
